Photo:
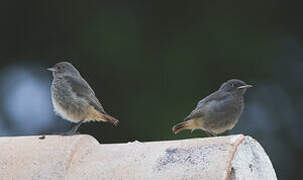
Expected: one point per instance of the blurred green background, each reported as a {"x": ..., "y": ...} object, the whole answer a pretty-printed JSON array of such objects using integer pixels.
[{"x": 150, "y": 62}]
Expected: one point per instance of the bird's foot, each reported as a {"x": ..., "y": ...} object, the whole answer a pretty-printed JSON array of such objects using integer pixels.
[{"x": 210, "y": 134}]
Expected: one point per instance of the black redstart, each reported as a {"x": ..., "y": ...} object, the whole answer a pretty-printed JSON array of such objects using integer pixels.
[
  {"x": 219, "y": 111},
  {"x": 73, "y": 99}
]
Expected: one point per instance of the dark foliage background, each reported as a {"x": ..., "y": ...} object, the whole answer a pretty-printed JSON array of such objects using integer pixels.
[{"x": 151, "y": 61}]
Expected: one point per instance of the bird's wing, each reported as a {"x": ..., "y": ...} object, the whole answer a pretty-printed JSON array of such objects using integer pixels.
[
  {"x": 199, "y": 110},
  {"x": 216, "y": 96},
  {"x": 196, "y": 113},
  {"x": 83, "y": 89}
]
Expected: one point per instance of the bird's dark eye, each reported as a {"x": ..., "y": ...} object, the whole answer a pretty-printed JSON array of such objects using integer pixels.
[{"x": 58, "y": 67}]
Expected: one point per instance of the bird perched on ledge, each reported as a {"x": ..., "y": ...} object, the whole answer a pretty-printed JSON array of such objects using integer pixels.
[
  {"x": 73, "y": 99},
  {"x": 219, "y": 111}
]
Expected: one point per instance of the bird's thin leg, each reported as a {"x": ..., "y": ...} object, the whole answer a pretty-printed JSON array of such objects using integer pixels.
[
  {"x": 210, "y": 133},
  {"x": 74, "y": 129}
]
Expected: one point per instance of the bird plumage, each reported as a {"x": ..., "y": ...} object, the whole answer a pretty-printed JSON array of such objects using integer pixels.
[
  {"x": 73, "y": 98},
  {"x": 219, "y": 111}
]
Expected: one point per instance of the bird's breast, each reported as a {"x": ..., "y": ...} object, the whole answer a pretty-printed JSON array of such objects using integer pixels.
[
  {"x": 66, "y": 103},
  {"x": 223, "y": 115}
]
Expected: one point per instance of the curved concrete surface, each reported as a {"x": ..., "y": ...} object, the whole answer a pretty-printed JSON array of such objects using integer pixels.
[{"x": 82, "y": 157}]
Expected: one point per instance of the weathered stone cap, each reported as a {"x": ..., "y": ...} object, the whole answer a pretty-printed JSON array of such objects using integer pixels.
[{"x": 82, "y": 157}]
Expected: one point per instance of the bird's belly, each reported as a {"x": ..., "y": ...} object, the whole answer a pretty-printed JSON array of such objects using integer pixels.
[
  {"x": 220, "y": 125},
  {"x": 220, "y": 121},
  {"x": 223, "y": 126},
  {"x": 73, "y": 109}
]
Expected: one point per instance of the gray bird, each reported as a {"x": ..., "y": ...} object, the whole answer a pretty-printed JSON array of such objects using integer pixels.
[
  {"x": 73, "y": 99},
  {"x": 218, "y": 112}
]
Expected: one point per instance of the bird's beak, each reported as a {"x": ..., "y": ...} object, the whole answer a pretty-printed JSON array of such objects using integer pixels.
[
  {"x": 244, "y": 87},
  {"x": 51, "y": 69}
]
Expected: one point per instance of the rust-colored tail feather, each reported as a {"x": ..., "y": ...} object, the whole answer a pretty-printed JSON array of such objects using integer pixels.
[
  {"x": 111, "y": 119},
  {"x": 180, "y": 127}
]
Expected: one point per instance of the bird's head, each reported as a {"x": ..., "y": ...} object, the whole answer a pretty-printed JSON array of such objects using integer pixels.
[
  {"x": 64, "y": 68},
  {"x": 235, "y": 86}
]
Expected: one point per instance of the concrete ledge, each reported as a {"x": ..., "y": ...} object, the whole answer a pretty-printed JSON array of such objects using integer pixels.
[{"x": 82, "y": 157}]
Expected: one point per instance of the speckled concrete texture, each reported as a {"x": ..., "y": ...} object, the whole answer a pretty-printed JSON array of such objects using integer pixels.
[
  {"x": 250, "y": 162},
  {"x": 82, "y": 157}
]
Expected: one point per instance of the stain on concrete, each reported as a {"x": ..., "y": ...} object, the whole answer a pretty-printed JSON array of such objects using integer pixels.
[
  {"x": 250, "y": 167},
  {"x": 232, "y": 174},
  {"x": 195, "y": 156}
]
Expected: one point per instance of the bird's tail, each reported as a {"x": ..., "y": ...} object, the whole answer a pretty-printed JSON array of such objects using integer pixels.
[
  {"x": 182, "y": 126},
  {"x": 111, "y": 119},
  {"x": 95, "y": 115}
]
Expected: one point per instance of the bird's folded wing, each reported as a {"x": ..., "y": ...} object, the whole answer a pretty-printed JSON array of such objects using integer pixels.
[
  {"x": 196, "y": 113},
  {"x": 216, "y": 96},
  {"x": 83, "y": 89},
  {"x": 204, "y": 104}
]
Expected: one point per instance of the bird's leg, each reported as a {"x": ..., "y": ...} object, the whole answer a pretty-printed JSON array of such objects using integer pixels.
[
  {"x": 210, "y": 134},
  {"x": 74, "y": 129}
]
